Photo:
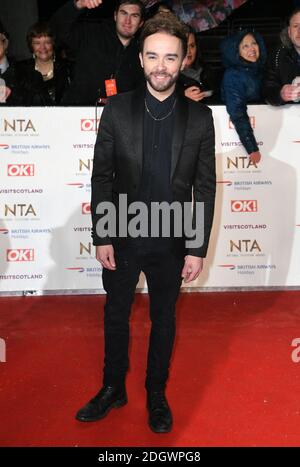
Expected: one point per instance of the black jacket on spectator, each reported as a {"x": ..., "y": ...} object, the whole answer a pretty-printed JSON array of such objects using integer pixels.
[
  {"x": 202, "y": 78},
  {"x": 99, "y": 55},
  {"x": 282, "y": 68},
  {"x": 10, "y": 80},
  {"x": 31, "y": 89}
]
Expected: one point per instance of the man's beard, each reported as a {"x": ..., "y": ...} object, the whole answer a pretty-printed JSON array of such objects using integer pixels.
[{"x": 161, "y": 86}]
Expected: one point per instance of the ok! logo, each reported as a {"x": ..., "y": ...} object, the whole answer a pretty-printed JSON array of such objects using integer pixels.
[{"x": 20, "y": 170}]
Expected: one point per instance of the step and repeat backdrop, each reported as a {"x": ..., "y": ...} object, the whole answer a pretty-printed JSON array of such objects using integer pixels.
[{"x": 46, "y": 159}]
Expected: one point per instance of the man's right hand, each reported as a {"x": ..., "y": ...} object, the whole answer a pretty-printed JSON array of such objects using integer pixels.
[
  {"x": 88, "y": 4},
  {"x": 290, "y": 92},
  {"x": 105, "y": 256}
]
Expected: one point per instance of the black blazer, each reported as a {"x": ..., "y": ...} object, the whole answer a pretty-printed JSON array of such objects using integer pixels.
[{"x": 118, "y": 157}]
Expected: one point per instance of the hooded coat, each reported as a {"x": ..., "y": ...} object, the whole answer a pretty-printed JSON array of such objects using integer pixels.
[{"x": 241, "y": 84}]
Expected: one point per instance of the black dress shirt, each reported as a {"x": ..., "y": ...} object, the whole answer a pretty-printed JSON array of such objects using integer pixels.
[{"x": 157, "y": 150}]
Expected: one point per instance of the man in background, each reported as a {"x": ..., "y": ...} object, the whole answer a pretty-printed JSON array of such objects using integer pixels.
[
  {"x": 105, "y": 52},
  {"x": 282, "y": 78}
]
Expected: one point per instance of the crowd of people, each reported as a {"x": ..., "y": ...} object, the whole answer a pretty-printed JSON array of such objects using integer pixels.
[
  {"x": 97, "y": 59},
  {"x": 156, "y": 145}
]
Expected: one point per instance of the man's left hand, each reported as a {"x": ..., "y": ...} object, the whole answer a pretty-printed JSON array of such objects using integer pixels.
[
  {"x": 193, "y": 266},
  {"x": 255, "y": 157}
]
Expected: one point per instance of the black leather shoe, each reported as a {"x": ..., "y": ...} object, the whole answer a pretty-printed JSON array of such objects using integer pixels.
[
  {"x": 160, "y": 416},
  {"x": 108, "y": 397}
]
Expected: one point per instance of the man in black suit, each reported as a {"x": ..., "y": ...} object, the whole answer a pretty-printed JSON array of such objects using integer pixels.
[{"x": 155, "y": 147}]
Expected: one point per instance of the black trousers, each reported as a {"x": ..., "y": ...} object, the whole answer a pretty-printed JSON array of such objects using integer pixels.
[{"x": 163, "y": 274}]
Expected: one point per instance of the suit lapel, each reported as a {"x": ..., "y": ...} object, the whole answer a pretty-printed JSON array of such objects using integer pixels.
[
  {"x": 137, "y": 112},
  {"x": 181, "y": 114}
]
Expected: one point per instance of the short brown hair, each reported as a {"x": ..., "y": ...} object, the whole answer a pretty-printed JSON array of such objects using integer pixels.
[
  {"x": 131, "y": 2},
  {"x": 168, "y": 24}
]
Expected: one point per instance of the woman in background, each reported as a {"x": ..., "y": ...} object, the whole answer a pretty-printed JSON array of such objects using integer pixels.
[
  {"x": 196, "y": 78},
  {"x": 43, "y": 79},
  {"x": 244, "y": 57}
]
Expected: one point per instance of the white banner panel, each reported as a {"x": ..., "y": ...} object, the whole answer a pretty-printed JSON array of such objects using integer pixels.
[{"x": 46, "y": 157}]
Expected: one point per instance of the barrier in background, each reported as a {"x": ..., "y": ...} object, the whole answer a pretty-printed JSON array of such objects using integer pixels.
[{"x": 46, "y": 158}]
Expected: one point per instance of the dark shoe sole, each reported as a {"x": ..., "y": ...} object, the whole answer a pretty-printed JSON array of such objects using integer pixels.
[
  {"x": 155, "y": 430},
  {"x": 115, "y": 405}
]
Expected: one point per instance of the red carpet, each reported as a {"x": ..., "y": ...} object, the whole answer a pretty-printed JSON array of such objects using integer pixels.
[{"x": 233, "y": 382}]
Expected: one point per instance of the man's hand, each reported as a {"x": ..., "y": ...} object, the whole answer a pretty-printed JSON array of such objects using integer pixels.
[
  {"x": 194, "y": 93},
  {"x": 7, "y": 92},
  {"x": 105, "y": 256},
  {"x": 290, "y": 92},
  {"x": 255, "y": 157},
  {"x": 87, "y": 4},
  {"x": 192, "y": 268}
]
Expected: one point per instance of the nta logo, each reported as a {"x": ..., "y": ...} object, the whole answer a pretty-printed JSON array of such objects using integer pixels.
[
  {"x": 245, "y": 246},
  {"x": 240, "y": 162},
  {"x": 20, "y": 170},
  {"x": 21, "y": 210},
  {"x": 20, "y": 254},
  {"x": 18, "y": 125},
  {"x": 243, "y": 205}
]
